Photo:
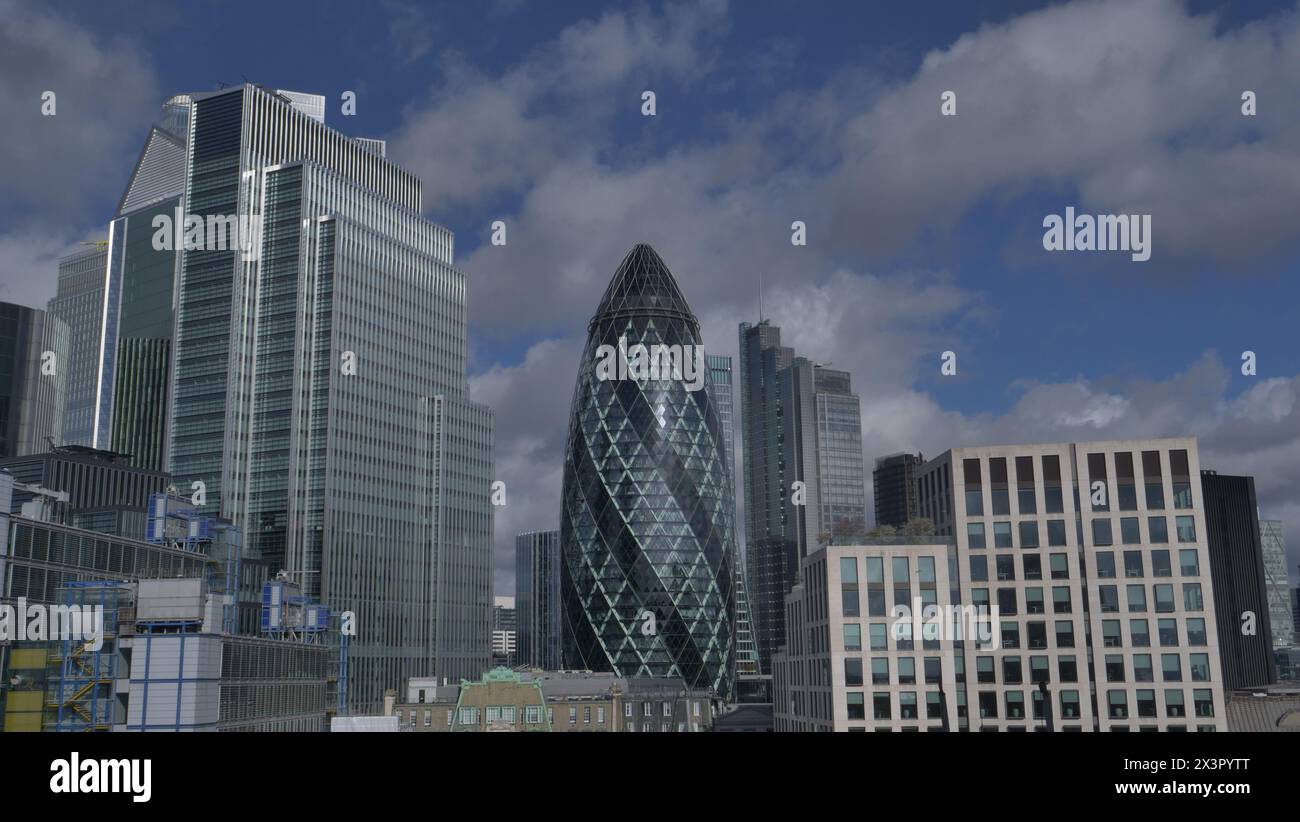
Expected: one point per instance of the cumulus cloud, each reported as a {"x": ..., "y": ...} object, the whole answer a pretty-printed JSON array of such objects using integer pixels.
[
  {"x": 1140, "y": 115},
  {"x": 55, "y": 187}
]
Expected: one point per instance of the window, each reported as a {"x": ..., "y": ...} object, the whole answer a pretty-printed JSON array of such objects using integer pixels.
[
  {"x": 1114, "y": 667},
  {"x": 1038, "y": 669},
  {"x": 1015, "y": 704},
  {"x": 1010, "y": 635},
  {"x": 1033, "y": 565},
  {"x": 1064, "y": 633},
  {"x": 1137, "y": 599},
  {"x": 1160, "y": 564},
  {"x": 1034, "y": 601},
  {"x": 586, "y": 714},
  {"x": 880, "y": 705},
  {"x": 1174, "y": 705},
  {"x": 627, "y": 709},
  {"x": 1101, "y": 534},
  {"x": 1188, "y": 564},
  {"x": 1061, "y": 599},
  {"x": 1007, "y": 601},
  {"x": 1109, "y": 596},
  {"x": 533, "y": 714},
  {"x": 1012, "y": 672},
  {"x": 1069, "y": 704},
  {"x": 1110, "y": 636},
  {"x": 998, "y": 483},
  {"x": 1196, "y": 631},
  {"x": 988, "y": 703},
  {"x": 984, "y": 672},
  {"x": 1002, "y": 535},
  {"x": 1006, "y": 567},
  {"x": 1129, "y": 532},
  {"x": 1133, "y": 564},
  {"x": 1192, "y": 600},
  {"x": 1151, "y": 473},
  {"x": 667, "y": 708},
  {"x": 1158, "y": 528},
  {"x": 1105, "y": 564},
  {"x": 856, "y": 705},
  {"x": 876, "y": 586},
  {"x": 573, "y": 714},
  {"x": 1029, "y": 534},
  {"x": 1037, "y": 633},
  {"x": 1168, "y": 629},
  {"x": 1060, "y": 566},
  {"x": 933, "y": 670},
  {"x": 1186, "y": 528},
  {"x": 933, "y": 705},
  {"x": 428, "y": 718},
  {"x": 1199, "y": 664},
  {"x": 907, "y": 705},
  {"x": 1142, "y": 670},
  {"x": 468, "y": 716},
  {"x": 1171, "y": 667},
  {"x": 1146, "y": 703},
  {"x": 974, "y": 489},
  {"x": 1118, "y": 704},
  {"x": 849, "y": 586},
  {"x": 1164, "y": 598},
  {"x": 1068, "y": 669},
  {"x": 1203, "y": 702},
  {"x": 975, "y": 535},
  {"x": 853, "y": 636},
  {"x": 1025, "y": 501},
  {"x": 879, "y": 671},
  {"x": 852, "y": 671},
  {"x": 906, "y": 671},
  {"x": 1056, "y": 533},
  {"x": 1139, "y": 633}
]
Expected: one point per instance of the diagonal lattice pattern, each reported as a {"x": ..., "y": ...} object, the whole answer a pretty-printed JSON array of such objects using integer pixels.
[{"x": 647, "y": 518}]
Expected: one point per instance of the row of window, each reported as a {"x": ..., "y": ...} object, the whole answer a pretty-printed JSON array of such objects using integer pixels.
[
  {"x": 1012, "y": 704},
  {"x": 1036, "y": 633},
  {"x": 1103, "y": 532}
]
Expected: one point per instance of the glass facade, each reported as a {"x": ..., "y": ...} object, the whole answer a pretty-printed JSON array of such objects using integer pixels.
[
  {"x": 646, "y": 526},
  {"x": 1277, "y": 583},
  {"x": 537, "y": 599}
]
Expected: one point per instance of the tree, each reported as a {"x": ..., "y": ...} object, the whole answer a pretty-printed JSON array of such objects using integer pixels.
[{"x": 919, "y": 527}]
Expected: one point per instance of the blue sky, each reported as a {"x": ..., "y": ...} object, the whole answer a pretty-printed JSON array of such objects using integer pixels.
[{"x": 924, "y": 232}]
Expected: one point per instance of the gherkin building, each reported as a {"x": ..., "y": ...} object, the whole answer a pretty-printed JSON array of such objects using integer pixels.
[{"x": 647, "y": 525}]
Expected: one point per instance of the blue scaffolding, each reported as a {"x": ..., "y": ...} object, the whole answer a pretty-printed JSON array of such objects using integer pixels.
[{"x": 82, "y": 695}]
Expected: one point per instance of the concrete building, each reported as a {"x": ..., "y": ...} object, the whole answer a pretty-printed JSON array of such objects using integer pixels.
[
  {"x": 1277, "y": 583},
  {"x": 504, "y": 643},
  {"x": 1090, "y": 561},
  {"x": 557, "y": 701},
  {"x": 537, "y": 599},
  {"x": 894, "y": 487},
  {"x": 33, "y": 379}
]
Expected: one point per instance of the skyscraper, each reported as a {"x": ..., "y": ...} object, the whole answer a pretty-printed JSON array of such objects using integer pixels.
[
  {"x": 1232, "y": 536},
  {"x": 537, "y": 599},
  {"x": 1277, "y": 583},
  {"x": 505, "y": 642},
  {"x": 79, "y": 303},
  {"x": 841, "y": 476},
  {"x": 33, "y": 361},
  {"x": 320, "y": 398},
  {"x": 722, "y": 385},
  {"x": 894, "y": 486},
  {"x": 770, "y": 566},
  {"x": 134, "y": 367},
  {"x": 804, "y": 476},
  {"x": 646, "y": 526}
]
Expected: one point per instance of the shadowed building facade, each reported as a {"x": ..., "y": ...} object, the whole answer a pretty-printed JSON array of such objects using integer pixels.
[{"x": 647, "y": 523}]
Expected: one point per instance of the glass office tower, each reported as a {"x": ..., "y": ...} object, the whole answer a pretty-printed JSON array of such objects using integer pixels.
[
  {"x": 646, "y": 526},
  {"x": 319, "y": 386}
]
